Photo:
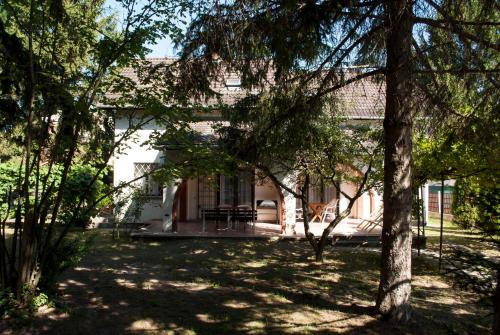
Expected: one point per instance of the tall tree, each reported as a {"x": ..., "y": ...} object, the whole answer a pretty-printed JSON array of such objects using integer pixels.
[
  {"x": 309, "y": 43},
  {"x": 395, "y": 273},
  {"x": 57, "y": 59},
  {"x": 460, "y": 137}
]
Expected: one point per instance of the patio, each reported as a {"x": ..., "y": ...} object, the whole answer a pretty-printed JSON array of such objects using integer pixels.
[{"x": 347, "y": 228}]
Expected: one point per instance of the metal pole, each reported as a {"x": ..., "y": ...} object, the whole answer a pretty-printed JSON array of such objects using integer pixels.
[
  {"x": 441, "y": 224},
  {"x": 254, "y": 213},
  {"x": 418, "y": 221},
  {"x": 424, "y": 209},
  {"x": 203, "y": 216}
]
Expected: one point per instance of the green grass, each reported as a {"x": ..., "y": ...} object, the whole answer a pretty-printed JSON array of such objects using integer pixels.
[
  {"x": 206, "y": 286},
  {"x": 454, "y": 235}
]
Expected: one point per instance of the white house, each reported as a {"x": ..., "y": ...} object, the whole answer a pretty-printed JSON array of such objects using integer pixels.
[{"x": 182, "y": 202}]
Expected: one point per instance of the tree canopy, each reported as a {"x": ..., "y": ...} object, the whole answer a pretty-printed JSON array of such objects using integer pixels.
[
  {"x": 57, "y": 61},
  {"x": 289, "y": 44}
]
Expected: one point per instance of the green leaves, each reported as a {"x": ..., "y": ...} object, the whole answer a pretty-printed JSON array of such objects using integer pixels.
[
  {"x": 78, "y": 186},
  {"x": 477, "y": 205}
]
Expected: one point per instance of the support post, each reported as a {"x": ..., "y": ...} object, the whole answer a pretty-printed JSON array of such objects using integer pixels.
[
  {"x": 418, "y": 221},
  {"x": 441, "y": 208},
  {"x": 203, "y": 218},
  {"x": 424, "y": 208},
  {"x": 169, "y": 192},
  {"x": 253, "y": 200}
]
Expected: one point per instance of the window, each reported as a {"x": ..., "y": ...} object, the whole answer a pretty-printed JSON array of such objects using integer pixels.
[
  {"x": 236, "y": 190},
  {"x": 148, "y": 185},
  {"x": 245, "y": 188},
  {"x": 227, "y": 190},
  {"x": 207, "y": 191}
]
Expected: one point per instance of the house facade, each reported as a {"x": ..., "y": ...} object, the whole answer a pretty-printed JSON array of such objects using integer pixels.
[{"x": 183, "y": 201}]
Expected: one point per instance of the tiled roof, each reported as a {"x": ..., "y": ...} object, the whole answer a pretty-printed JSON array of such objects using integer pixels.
[
  {"x": 362, "y": 99},
  {"x": 207, "y": 127}
]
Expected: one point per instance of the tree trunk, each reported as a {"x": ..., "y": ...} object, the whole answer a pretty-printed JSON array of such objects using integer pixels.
[
  {"x": 328, "y": 230},
  {"x": 304, "y": 191},
  {"x": 496, "y": 303},
  {"x": 27, "y": 256},
  {"x": 393, "y": 300}
]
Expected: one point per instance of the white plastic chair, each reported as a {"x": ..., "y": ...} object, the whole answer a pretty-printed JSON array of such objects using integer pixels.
[{"x": 328, "y": 210}]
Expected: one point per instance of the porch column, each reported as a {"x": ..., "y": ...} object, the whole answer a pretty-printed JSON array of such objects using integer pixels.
[
  {"x": 425, "y": 197},
  {"x": 167, "y": 206},
  {"x": 343, "y": 201},
  {"x": 289, "y": 204},
  {"x": 365, "y": 206}
]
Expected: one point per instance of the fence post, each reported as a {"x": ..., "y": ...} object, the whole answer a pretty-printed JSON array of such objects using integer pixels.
[
  {"x": 425, "y": 209},
  {"x": 439, "y": 202},
  {"x": 441, "y": 210}
]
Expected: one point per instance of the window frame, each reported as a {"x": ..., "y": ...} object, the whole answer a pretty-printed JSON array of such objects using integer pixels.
[{"x": 146, "y": 182}]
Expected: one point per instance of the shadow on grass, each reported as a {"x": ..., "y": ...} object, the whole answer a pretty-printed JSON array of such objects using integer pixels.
[{"x": 231, "y": 287}]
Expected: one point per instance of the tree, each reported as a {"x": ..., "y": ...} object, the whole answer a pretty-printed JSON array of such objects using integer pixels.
[
  {"x": 320, "y": 148},
  {"x": 57, "y": 60},
  {"x": 310, "y": 42},
  {"x": 459, "y": 138}
]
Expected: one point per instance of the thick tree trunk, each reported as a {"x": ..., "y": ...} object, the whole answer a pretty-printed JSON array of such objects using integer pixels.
[
  {"x": 393, "y": 300},
  {"x": 496, "y": 303}
]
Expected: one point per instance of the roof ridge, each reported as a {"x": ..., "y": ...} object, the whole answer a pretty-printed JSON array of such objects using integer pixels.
[{"x": 162, "y": 58}]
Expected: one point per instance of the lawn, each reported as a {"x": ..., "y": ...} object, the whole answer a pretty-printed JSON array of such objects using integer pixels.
[
  {"x": 207, "y": 286},
  {"x": 454, "y": 235}
]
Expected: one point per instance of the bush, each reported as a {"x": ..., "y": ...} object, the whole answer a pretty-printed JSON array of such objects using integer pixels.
[
  {"x": 40, "y": 300},
  {"x": 8, "y": 186},
  {"x": 79, "y": 177},
  {"x": 68, "y": 255},
  {"x": 77, "y": 183},
  {"x": 477, "y": 206},
  {"x": 7, "y": 302}
]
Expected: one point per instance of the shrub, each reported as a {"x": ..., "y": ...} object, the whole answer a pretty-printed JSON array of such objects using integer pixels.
[
  {"x": 68, "y": 255},
  {"x": 77, "y": 183},
  {"x": 79, "y": 177},
  {"x": 9, "y": 174},
  {"x": 477, "y": 206},
  {"x": 7, "y": 302},
  {"x": 40, "y": 300}
]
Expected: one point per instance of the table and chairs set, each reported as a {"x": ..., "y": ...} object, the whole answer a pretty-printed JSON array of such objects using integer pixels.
[
  {"x": 232, "y": 217},
  {"x": 318, "y": 211}
]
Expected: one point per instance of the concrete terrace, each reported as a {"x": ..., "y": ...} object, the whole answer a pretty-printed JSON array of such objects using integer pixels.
[{"x": 347, "y": 229}]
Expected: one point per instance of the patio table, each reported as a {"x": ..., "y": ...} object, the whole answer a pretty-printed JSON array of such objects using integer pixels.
[
  {"x": 228, "y": 214},
  {"x": 317, "y": 210}
]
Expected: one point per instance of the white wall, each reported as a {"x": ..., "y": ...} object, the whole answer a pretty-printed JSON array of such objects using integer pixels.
[
  {"x": 265, "y": 190},
  {"x": 133, "y": 151},
  {"x": 349, "y": 189},
  {"x": 290, "y": 204},
  {"x": 361, "y": 208},
  {"x": 160, "y": 208}
]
